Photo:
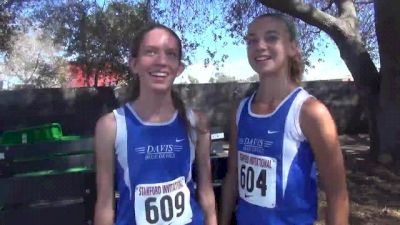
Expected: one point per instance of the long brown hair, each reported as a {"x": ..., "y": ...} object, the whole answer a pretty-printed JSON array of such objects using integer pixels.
[
  {"x": 135, "y": 83},
  {"x": 296, "y": 63}
]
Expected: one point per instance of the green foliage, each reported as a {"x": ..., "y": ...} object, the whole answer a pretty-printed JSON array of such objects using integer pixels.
[
  {"x": 193, "y": 80},
  {"x": 228, "y": 20},
  {"x": 221, "y": 78},
  {"x": 34, "y": 61},
  {"x": 366, "y": 18},
  {"x": 241, "y": 12},
  {"x": 200, "y": 25},
  {"x": 8, "y": 21},
  {"x": 98, "y": 37}
]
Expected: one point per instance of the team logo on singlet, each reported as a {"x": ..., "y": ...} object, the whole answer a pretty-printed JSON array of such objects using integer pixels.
[
  {"x": 161, "y": 151},
  {"x": 255, "y": 145}
]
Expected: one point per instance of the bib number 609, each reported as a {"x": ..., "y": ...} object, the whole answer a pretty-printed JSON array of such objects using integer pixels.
[{"x": 166, "y": 208}]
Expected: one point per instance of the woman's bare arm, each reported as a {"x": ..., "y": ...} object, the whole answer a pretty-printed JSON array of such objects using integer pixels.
[
  {"x": 104, "y": 140},
  {"x": 319, "y": 128},
  {"x": 203, "y": 166}
]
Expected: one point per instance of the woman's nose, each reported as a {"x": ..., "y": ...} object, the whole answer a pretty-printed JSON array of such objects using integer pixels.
[
  {"x": 162, "y": 58},
  {"x": 261, "y": 45}
]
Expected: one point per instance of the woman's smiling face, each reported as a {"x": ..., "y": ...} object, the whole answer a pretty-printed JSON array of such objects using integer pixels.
[
  {"x": 158, "y": 60},
  {"x": 269, "y": 46}
]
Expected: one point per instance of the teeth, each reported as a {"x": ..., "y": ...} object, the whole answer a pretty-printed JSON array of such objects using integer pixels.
[
  {"x": 262, "y": 58},
  {"x": 158, "y": 74}
]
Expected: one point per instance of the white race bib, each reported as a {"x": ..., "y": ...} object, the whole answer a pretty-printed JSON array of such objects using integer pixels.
[
  {"x": 163, "y": 203},
  {"x": 257, "y": 179}
]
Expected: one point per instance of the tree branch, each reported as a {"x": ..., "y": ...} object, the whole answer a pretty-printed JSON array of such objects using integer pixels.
[
  {"x": 6, "y": 4},
  {"x": 347, "y": 14},
  {"x": 9, "y": 3},
  {"x": 328, "y": 6},
  {"x": 346, "y": 25},
  {"x": 346, "y": 8},
  {"x": 36, "y": 66},
  {"x": 364, "y": 2},
  {"x": 305, "y": 12}
]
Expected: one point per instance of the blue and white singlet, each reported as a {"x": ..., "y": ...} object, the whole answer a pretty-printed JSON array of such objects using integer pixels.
[
  {"x": 276, "y": 167},
  {"x": 154, "y": 171}
]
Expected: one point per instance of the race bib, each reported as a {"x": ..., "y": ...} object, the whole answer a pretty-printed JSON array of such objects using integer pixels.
[
  {"x": 163, "y": 203},
  {"x": 257, "y": 179}
]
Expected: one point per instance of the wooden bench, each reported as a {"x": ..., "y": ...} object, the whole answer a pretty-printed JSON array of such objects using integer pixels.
[
  {"x": 48, "y": 183},
  {"x": 54, "y": 182}
]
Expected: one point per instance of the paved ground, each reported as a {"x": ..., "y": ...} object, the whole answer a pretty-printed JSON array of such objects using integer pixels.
[{"x": 374, "y": 190}]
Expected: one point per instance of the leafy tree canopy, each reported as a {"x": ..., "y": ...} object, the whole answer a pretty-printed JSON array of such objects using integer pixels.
[
  {"x": 9, "y": 23},
  {"x": 97, "y": 34},
  {"x": 229, "y": 20}
]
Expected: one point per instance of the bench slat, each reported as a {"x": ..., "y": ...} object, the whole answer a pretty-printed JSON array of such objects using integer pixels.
[
  {"x": 25, "y": 190},
  {"x": 76, "y": 214},
  {"x": 56, "y": 164},
  {"x": 25, "y": 151}
]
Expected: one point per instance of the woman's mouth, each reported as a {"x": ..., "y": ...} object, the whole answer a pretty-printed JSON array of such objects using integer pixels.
[
  {"x": 159, "y": 74},
  {"x": 262, "y": 58}
]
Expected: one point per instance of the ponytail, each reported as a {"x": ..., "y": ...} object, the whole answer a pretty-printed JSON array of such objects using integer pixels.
[
  {"x": 296, "y": 66},
  {"x": 134, "y": 88},
  {"x": 180, "y": 106}
]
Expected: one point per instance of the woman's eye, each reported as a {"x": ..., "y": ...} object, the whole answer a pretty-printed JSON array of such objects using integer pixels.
[
  {"x": 271, "y": 38},
  {"x": 150, "y": 52},
  {"x": 172, "y": 54},
  {"x": 251, "y": 41}
]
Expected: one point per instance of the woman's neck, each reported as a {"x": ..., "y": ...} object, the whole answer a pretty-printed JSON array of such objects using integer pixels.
[
  {"x": 154, "y": 107},
  {"x": 274, "y": 89}
]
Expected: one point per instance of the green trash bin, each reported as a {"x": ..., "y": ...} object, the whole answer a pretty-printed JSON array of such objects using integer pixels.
[
  {"x": 43, "y": 150},
  {"x": 36, "y": 134}
]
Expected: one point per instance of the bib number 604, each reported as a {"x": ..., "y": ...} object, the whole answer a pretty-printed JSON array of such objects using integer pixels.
[{"x": 248, "y": 181}]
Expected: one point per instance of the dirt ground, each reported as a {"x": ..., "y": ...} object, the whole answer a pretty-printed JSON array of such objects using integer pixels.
[{"x": 374, "y": 190}]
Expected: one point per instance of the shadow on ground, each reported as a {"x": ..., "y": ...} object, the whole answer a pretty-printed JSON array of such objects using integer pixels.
[{"x": 374, "y": 190}]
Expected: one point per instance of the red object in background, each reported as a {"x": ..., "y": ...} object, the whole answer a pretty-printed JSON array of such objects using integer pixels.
[{"x": 77, "y": 77}]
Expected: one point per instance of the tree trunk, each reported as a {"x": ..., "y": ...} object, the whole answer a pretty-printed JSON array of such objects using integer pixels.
[
  {"x": 387, "y": 22},
  {"x": 366, "y": 78},
  {"x": 148, "y": 11},
  {"x": 88, "y": 72},
  {"x": 96, "y": 76}
]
